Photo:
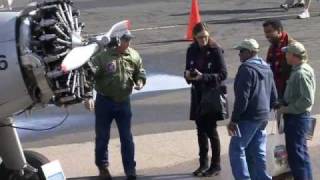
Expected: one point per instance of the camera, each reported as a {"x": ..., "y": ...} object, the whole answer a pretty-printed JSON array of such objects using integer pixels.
[
  {"x": 193, "y": 73},
  {"x": 192, "y": 70}
]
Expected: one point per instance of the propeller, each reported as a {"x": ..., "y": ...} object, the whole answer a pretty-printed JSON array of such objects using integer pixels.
[
  {"x": 80, "y": 55},
  {"x": 117, "y": 30}
]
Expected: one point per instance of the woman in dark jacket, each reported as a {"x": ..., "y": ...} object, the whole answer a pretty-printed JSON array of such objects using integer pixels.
[{"x": 205, "y": 67}]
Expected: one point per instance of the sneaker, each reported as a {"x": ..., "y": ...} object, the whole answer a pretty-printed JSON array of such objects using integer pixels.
[
  {"x": 304, "y": 15},
  {"x": 284, "y": 6},
  {"x": 212, "y": 171},
  {"x": 200, "y": 170},
  {"x": 298, "y": 5},
  {"x": 104, "y": 174},
  {"x": 131, "y": 177}
]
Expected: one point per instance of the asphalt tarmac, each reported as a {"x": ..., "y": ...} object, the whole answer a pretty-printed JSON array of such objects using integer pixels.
[
  {"x": 159, "y": 27},
  {"x": 160, "y": 118}
]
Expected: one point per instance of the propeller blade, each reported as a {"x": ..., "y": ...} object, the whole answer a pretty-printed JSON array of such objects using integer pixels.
[
  {"x": 117, "y": 29},
  {"x": 78, "y": 56}
]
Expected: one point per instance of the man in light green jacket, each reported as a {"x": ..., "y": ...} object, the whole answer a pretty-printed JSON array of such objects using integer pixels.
[{"x": 298, "y": 101}]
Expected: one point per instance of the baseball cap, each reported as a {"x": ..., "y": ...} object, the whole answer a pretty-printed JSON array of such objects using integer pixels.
[
  {"x": 249, "y": 44},
  {"x": 295, "y": 48}
]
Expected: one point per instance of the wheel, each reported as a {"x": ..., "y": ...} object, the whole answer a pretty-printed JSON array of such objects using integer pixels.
[
  {"x": 3, "y": 171},
  {"x": 34, "y": 159}
]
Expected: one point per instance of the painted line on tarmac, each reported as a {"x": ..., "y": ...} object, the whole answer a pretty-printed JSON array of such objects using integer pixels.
[
  {"x": 261, "y": 18},
  {"x": 156, "y": 28},
  {"x": 230, "y": 20},
  {"x": 142, "y": 29},
  {"x": 220, "y": 21}
]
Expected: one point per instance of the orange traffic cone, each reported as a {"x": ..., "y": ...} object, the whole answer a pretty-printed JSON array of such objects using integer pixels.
[{"x": 194, "y": 18}]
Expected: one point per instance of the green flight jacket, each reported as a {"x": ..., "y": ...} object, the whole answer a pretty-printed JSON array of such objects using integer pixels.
[
  {"x": 116, "y": 74},
  {"x": 300, "y": 90}
]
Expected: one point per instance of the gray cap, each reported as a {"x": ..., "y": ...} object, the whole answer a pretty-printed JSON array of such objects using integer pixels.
[
  {"x": 296, "y": 48},
  {"x": 127, "y": 35},
  {"x": 249, "y": 44}
]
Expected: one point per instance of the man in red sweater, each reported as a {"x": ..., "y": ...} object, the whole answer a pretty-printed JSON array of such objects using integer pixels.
[{"x": 278, "y": 38}]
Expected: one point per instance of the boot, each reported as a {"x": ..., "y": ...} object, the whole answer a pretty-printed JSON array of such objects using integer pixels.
[
  {"x": 204, "y": 165},
  {"x": 214, "y": 170},
  {"x": 104, "y": 174},
  {"x": 132, "y": 177}
]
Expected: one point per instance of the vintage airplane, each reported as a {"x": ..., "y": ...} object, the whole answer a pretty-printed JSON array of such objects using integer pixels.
[{"x": 43, "y": 60}]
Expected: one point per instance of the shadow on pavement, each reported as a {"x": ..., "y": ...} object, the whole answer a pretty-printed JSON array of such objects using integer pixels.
[
  {"x": 167, "y": 176},
  {"x": 85, "y": 178},
  {"x": 95, "y": 178},
  {"x": 182, "y": 171},
  {"x": 155, "y": 177}
]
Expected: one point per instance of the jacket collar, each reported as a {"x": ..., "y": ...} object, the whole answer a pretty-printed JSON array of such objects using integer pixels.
[{"x": 298, "y": 66}]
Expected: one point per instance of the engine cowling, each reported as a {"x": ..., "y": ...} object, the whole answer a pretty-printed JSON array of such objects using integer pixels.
[
  {"x": 33, "y": 44},
  {"x": 47, "y": 33},
  {"x": 14, "y": 95}
]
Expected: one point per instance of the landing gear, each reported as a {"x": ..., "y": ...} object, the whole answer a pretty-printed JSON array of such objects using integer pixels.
[{"x": 32, "y": 172}]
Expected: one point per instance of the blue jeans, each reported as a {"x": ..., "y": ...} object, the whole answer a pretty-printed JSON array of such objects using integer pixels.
[
  {"x": 248, "y": 153},
  {"x": 106, "y": 110},
  {"x": 295, "y": 128}
]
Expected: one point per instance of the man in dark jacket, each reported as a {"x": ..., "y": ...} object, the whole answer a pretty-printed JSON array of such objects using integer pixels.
[{"x": 255, "y": 93}]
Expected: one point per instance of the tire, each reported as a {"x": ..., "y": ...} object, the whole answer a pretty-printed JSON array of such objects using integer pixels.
[
  {"x": 3, "y": 171},
  {"x": 34, "y": 159}
]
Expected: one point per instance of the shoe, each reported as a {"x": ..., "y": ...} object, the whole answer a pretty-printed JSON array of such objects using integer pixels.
[
  {"x": 104, "y": 174},
  {"x": 304, "y": 15},
  {"x": 131, "y": 177},
  {"x": 298, "y": 5},
  {"x": 200, "y": 170},
  {"x": 212, "y": 171},
  {"x": 285, "y": 6}
]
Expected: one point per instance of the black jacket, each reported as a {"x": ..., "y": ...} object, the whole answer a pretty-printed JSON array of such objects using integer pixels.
[{"x": 214, "y": 72}]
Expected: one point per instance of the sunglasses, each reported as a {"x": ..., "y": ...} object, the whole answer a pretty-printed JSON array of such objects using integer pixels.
[
  {"x": 201, "y": 37},
  {"x": 243, "y": 50}
]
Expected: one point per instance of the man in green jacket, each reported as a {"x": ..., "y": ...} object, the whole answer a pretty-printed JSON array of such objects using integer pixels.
[
  {"x": 117, "y": 70},
  {"x": 298, "y": 100}
]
